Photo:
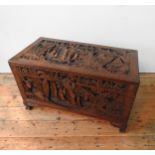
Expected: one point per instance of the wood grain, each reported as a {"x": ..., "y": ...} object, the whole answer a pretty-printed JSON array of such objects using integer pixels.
[{"x": 46, "y": 128}]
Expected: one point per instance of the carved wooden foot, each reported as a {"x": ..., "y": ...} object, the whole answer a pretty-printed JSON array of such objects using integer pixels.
[
  {"x": 28, "y": 107},
  {"x": 123, "y": 128}
]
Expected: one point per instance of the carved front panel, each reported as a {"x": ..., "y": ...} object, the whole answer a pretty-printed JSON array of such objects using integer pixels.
[{"x": 96, "y": 96}]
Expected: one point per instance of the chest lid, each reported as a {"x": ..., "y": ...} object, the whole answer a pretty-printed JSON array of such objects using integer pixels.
[{"x": 87, "y": 59}]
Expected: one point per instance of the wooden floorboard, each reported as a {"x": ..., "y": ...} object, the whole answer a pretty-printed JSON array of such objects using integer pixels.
[{"x": 47, "y": 128}]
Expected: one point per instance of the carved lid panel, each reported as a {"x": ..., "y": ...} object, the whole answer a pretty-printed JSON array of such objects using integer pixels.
[{"x": 87, "y": 58}]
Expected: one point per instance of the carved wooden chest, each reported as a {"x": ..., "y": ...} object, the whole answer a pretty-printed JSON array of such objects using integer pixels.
[{"x": 90, "y": 79}]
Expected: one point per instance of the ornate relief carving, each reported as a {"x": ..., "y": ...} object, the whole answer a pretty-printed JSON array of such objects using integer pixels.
[
  {"x": 100, "y": 96},
  {"x": 80, "y": 55}
]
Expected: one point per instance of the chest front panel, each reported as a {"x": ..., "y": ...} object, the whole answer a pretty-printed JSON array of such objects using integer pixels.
[{"x": 91, "y": 95}]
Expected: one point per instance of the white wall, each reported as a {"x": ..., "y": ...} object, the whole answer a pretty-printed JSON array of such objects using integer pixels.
[{"x": 119, "y": 26}]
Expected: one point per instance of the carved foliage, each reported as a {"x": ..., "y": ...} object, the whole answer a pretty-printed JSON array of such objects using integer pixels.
[
  {"x": 80, "y": 55},
  {"x": 100, "y": 96}
]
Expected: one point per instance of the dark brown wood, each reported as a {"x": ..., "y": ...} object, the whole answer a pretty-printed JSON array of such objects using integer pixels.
[{"x": 90, "y": 79}]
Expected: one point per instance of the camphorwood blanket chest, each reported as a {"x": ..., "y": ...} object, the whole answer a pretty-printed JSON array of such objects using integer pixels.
[{"x": 90, "y": 79}]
